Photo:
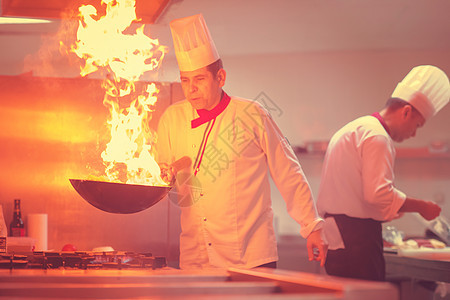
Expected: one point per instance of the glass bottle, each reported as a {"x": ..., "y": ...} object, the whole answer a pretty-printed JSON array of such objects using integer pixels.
[
  {"x": 17, "y": 227},
  {"x": 3, "y": 231}
]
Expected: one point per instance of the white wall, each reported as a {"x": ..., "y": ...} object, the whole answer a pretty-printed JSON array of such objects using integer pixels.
[{"x": 318, "y": 92}]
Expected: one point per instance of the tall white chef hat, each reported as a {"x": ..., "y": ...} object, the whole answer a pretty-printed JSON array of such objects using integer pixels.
[
  {"x": 194, "y": 47},
  {"x": 427, "y": 88}
]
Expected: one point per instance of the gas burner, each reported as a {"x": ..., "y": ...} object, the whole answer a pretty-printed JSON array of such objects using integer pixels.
[
  {"x": 83, "y": 260},
  {"x": 13, "y": 261}
]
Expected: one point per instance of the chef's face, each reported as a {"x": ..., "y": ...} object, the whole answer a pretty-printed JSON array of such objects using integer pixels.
[
  {"x": 202, "y": 88},
  {"x": 410, "y": 121}
]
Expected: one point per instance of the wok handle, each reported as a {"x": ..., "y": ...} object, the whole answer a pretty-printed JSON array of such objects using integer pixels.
[{"x": 181, "y": 164}]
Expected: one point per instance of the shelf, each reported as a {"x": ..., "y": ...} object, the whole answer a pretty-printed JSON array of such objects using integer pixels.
[{"x": 421, "y": 153}]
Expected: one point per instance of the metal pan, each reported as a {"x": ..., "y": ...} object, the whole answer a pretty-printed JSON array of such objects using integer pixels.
[{"x": 119, "y": 198}]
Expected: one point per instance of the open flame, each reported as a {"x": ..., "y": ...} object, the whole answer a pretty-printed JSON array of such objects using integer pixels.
[{"x": 109, "y": 45}]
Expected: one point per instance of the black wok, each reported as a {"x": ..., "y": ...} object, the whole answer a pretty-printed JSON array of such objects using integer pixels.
[{"x": 121, "y": 198}]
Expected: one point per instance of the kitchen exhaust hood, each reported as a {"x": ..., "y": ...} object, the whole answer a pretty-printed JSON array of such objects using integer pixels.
[{"x": 147, "y": 11}]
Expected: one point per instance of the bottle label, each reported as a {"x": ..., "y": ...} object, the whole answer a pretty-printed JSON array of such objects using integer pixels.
[
  {"x": 2, "y": 244},
  {"x": 17, "y": 231}
]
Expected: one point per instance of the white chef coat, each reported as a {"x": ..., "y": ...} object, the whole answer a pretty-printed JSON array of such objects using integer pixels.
[
  {"x": 230, "y": 222},
  {"x": 357, "y": 176}
]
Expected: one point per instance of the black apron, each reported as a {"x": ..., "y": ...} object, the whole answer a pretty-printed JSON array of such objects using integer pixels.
[{"x": 362, "y": 257}]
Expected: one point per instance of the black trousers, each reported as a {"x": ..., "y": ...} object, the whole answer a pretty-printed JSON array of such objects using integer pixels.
[{"x": 362, "y": 257}]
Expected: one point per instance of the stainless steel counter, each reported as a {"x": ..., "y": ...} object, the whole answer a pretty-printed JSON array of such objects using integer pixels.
[
  {"x": 417, "y": 278},
  {"x": 417, "y": 268},
  {"x": 170, "y": 283}
]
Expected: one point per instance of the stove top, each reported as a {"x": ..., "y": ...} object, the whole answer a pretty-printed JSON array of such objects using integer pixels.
[{"x": 82, "y": 260}]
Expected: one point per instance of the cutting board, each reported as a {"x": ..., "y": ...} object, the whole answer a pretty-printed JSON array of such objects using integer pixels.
[{"x": 426, "y": 253}]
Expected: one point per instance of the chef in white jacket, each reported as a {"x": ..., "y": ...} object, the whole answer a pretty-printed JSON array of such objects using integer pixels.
[
  {"x": 233, "y": 143},
  {"x": 357, "y": 191}
]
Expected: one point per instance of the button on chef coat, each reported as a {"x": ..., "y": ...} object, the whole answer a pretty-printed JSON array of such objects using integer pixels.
[
  {"x": 243, "y": 145},
  {"x": 357, "y": 176}
]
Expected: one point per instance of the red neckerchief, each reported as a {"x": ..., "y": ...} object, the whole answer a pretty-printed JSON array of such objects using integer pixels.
[
  {"x": 207, "y": 115},
  {"x": 380, "y": 118}
]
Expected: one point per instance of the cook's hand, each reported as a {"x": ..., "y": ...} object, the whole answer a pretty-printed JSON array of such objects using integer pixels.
[
  {"x": 167, "y": 173},
  {"x": 430, "y": 210},
  {"x": 317, "y": 248}
]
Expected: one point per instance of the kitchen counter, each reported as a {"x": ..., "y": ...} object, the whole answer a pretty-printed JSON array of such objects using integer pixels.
[
  {"x": 417, "y": 268},
  {"x": 417, "y": 278},
  {"x": 260, "y": 283}
]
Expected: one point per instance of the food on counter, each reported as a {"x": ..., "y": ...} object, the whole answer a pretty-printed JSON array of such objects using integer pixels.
[
  {"x": 427, "y": 243},
  {"x": 395, "y": 239},
  {"x": 437, "y": 244},
  {"x": 417, "y": 243}
]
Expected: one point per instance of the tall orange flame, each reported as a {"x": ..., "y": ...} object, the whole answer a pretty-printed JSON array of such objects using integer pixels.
[{"x": 107, "y": 44}]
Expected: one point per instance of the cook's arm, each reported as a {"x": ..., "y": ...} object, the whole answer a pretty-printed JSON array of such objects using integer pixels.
[
  {"x": 427, "y": 209},
  {"x": 380, "y": 195},
  {"x": 169, "y": 172}
]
